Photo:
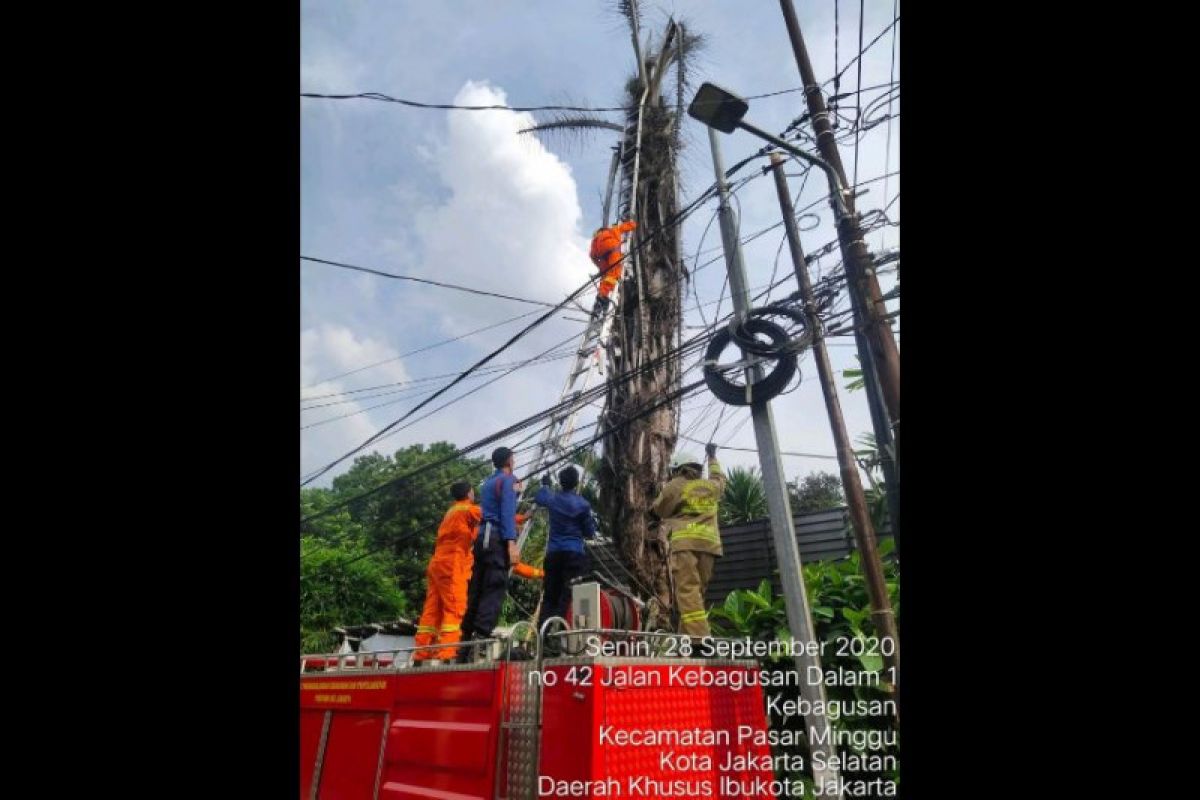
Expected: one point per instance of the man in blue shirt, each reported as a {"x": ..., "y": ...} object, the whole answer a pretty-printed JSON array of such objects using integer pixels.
[
  {"x": 570, "y": 522},
  {"x": 495, "y": 549}
]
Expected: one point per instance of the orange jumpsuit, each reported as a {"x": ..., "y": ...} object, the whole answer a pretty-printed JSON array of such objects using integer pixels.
[
  {"x": 606, "y": 252},
  {"x": 446, "y": 579},
  {"x": 447, "y": 576}
]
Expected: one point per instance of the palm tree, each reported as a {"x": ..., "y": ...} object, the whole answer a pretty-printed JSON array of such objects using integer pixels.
[
  {"x": 636, "y": 458},
  {"x": 744, "y": 499}
]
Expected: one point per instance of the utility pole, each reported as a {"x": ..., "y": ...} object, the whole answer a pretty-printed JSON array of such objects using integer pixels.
[
  {"x": 860, "y": 270},
  {"x": 783, "y": 532},
  {"x": 884, "y": 440},
  {"x": 856, "y": 501}
]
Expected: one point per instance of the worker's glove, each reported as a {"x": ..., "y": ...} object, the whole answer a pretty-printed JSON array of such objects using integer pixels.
[
  {"x": 545, "y": 480},
  {"x": 514, "y": 555},
  {"x": 710, "y": 450}
]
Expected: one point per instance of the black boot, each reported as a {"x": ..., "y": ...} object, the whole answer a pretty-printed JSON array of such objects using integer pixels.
[{"x": 465, "y": 650}]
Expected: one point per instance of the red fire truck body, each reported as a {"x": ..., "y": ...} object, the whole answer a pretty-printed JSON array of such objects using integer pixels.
[{"x": 624, "y": 727}]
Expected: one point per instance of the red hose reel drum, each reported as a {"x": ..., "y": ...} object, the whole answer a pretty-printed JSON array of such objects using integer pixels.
[{"x": 617, "y": 612}]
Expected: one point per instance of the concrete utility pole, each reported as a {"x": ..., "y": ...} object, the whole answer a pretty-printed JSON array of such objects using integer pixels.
[
  {"x": 856, "y": 501},
  {"x": 859, "y": 268},
  {"x": 783, "y": 532}
]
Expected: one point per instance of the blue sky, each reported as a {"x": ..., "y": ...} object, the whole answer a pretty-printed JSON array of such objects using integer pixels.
[{"x": 460, "y": 197}]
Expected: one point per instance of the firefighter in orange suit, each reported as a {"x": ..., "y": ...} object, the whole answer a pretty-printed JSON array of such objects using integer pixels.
[
  {"x": 448, "y": 573},
  {"x": 606, "y": 255}
]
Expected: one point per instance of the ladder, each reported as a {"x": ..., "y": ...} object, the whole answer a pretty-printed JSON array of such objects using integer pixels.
[{"x": 592, "y": 354}]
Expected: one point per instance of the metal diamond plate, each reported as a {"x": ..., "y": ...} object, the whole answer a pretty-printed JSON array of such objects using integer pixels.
[{"x": 522, "y": 730}]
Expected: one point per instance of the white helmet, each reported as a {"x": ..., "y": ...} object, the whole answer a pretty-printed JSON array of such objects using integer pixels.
[{"x": 682, "y": 458}]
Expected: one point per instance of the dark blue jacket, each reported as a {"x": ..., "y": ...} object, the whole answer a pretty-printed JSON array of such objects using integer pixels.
[
  {"x": 570, "y": 520},
  {"x": 499, "y": 505}
]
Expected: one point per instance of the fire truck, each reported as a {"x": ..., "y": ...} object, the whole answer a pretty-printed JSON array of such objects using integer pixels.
[{"x": 614, "y": 712}]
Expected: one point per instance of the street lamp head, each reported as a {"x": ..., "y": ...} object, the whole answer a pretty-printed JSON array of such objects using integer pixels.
[{"x": 718, "y": 108}]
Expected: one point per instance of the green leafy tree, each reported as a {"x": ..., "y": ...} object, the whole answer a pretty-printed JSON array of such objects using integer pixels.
[
  {"x": 854, "y": 378},
  {"x": 817, "y": 491},
  {"x": 342, "y": 585},
  {"x": 868, "y": 457},
  {"x": 744, "y": 499},
  {"x": 404, "y": 518},
  {"x": 397, "y": 525}
]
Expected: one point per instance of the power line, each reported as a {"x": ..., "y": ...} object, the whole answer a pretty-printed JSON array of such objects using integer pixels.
[
  {"x": 409, "y": 385},
  {"x": 669, "y": 397},
  {"x": 799, "y": 213},
  {"x": 421, "y": 349},
  {"x": 887, "y": 155},
  {"x": 517, "y": 448},
  {"x": 403, "y": 538},
  {"x": 674, "y": 221},
  {"x": 467, "y": 394},
  {"x": 536, "y": 360},
  {"x": 394, "y": 276},
  {"x": 694, "y": 344},
  {"x": 858, "y": 83},
  {"x": 837, "y": 76},
  {"x": 679, "y": 353},
  {"x": 383, "y": 98},
  {"x": 684, "y": 391},
  {"x": 737, "y": 430},
  {"x": 388, "y": 429},
  {"x": 747, "y": 450},
  {"x": 863, "y": 51},
  {"x": 379, "y": 96},
  {"x": 686, "y": 211},
  {"x": 676, "y": 218}
]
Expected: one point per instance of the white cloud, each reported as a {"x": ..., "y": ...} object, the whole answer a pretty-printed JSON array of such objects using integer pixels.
[
  {"x": 512, "y": 222},
  {"x": 329, "y": 350},
  {"x": 506, "y": 218}
]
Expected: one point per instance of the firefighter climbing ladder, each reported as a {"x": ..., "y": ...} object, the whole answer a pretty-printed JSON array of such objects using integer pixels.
[{"x": 590, "y": 358}]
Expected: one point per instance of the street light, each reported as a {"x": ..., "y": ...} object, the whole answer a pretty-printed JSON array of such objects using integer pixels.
[
  {"x": 723, "y": 110},
  {"x": 718, "y": 108}
]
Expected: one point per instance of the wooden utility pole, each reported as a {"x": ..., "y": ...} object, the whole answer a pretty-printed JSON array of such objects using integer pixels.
[
  {"x": 856, "y": 501},
  {"x": 860, "y": 270}
]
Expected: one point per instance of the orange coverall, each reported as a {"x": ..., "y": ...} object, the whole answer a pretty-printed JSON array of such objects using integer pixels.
[
  {"x": 606, "y": 252},
  {"x": 447, "y": 576}
]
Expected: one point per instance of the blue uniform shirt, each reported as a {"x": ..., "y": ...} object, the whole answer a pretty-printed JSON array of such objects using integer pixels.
[
  {"x": 499, "y": 504},
  {"x": 570, "y": 520}
]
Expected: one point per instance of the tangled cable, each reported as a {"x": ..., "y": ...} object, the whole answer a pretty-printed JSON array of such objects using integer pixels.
[{"x": 781, "y": 347}]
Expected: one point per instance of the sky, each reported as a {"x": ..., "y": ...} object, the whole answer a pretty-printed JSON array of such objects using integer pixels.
[{"x": 461, "y": 197}]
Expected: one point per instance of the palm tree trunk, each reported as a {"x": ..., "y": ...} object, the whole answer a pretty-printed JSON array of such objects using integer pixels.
[{"x": 637, "y": 457}]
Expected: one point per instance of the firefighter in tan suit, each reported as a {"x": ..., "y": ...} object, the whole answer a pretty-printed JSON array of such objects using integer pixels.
[{"x": 687, "y": 507}]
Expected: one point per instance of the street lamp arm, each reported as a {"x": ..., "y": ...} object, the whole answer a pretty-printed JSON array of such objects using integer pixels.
[{"x": 837, "y": 191}]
